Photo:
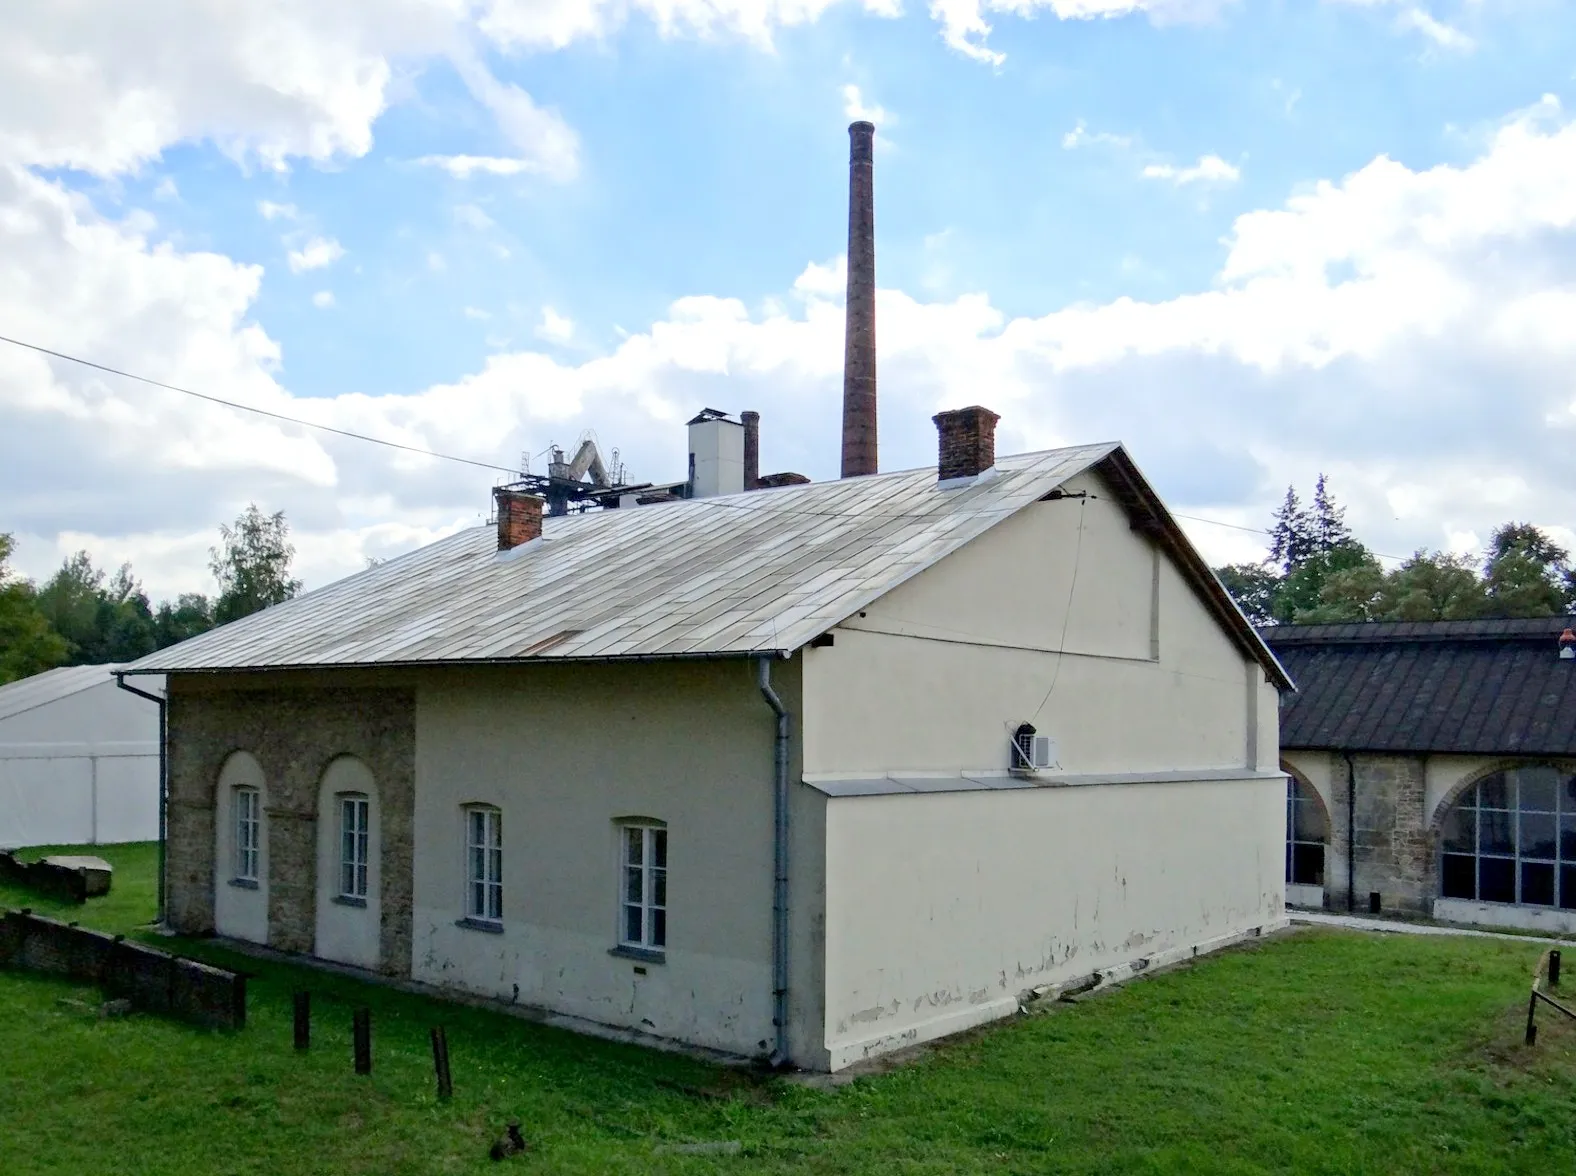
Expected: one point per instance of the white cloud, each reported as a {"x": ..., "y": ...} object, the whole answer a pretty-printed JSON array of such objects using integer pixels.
[
  {"x": 544, "y": 141},
  {"x": 964, "y": 27},
  {"x": 1442, "y": 35},
  {"x": 271, "y": 211},
  {"x": 476, "y": 312},
  {"x": 1409, "y": 332},
  {"x": 473, "y": 217},
  {"x": 1210, "y": 169},
  {"x": 855, "y": 108},
  {"x": 554, "y": 327},
  {"x": 106, "y": 87},
  {"x": 553, "y": 24},
  {"x": 323, "y": 299},
  {"x": 463, "y": 167},
  {"x": 317, "y": 253},
  {"x": 1082, "y": 136}
]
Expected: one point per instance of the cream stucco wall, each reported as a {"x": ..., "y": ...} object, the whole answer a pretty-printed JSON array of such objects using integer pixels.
[
  {"x": 565, "y": 752},
  {"x": 239, "y": 911},
  {"x": 943, "y": 908},
  {"x": 934, "y": 676}
]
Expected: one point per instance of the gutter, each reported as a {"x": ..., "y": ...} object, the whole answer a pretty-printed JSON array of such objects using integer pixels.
[
  {"x": 164, "y": 779},
  {"x": 779, "y": 1055}
]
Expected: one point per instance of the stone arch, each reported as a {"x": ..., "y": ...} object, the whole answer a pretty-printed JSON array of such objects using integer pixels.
[
  {"x": 240, "y": 898},
  {"x": 1307, "y": 812},
  {"x": 1436, "y": 819},
  {"x": 348, "y": 887}
]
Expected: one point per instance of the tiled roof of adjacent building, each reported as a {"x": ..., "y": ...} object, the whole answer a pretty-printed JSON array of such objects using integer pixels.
[
  {"x": 755, "y": 573},
  {"x": 1493, "y": 687}
]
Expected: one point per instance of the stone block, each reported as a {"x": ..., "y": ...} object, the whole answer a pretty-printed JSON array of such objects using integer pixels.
[{"x": 97, "y": 873}]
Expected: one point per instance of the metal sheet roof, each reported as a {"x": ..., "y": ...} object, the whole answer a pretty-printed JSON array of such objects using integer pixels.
[
  {"x": 27, "y": 694},
  {"x": 760, "y": 572}
]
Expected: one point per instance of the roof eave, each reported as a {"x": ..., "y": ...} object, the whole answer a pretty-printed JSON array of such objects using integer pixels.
[{"x": 450, "y": 663}]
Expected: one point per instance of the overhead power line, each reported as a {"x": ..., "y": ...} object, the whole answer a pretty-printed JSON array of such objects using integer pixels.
[
  {"x": 278, "y": 416},
  {"x": 485, "y": 465}
]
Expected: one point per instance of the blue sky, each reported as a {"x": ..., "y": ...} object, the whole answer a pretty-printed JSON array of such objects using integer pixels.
[{"x": 1023, "y": 209}]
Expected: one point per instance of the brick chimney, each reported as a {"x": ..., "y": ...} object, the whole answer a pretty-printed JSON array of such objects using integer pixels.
[
  {"x": 752, "y": 449},
  {"x": 519, "y": 517},
  {"x": 968, "y": 441},
  {"x": 859, "y": 341}
]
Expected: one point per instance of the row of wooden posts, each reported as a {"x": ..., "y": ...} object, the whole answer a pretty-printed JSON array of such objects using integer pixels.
[{"x": 361, "y": 1037}]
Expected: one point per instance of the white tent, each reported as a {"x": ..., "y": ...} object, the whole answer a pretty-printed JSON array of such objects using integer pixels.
[{"x": 79, "y": 759}]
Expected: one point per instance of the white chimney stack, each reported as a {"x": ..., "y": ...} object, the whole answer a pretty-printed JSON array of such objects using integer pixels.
[{"x": 716, "y": 457}]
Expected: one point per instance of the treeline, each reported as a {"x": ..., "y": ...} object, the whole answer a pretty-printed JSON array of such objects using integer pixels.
[
  {"x": 1318, "y": 572},
  {"x": 83, "y": 616}
]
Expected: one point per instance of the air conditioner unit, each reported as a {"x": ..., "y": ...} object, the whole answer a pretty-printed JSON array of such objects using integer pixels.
[{"x": 1032, "y": 752}]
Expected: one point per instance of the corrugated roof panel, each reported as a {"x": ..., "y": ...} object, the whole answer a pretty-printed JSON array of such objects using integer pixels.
[{"x": 757, "y": 572}]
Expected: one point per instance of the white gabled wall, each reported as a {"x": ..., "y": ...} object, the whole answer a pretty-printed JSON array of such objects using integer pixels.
[
  {"x": 943, "y": 907},
  {"x": 935, "y": 675}
]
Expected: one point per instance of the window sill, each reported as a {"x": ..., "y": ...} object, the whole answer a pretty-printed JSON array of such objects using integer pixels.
[
  {"x": 350, "y": 900},
  {"x": 487, "y": 926},
  {"x": 245, "y": 883},
  {"x": 644, "y": 954}
]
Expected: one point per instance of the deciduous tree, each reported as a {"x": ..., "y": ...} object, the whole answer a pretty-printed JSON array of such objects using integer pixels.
[{"x": 252, "y": 565}]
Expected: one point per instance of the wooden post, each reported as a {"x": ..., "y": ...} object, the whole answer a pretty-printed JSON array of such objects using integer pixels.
[
  {"x": 1532, "y": 1028},
  {"x": 362, "y": 1031},
  {"x": 303, "y": 1020},
  {"x": 1554, "y": 968},
  {"x": 440, "y": 1063}
]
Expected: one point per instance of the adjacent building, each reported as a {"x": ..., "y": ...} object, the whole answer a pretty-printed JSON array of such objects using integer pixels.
[
  {"x": 809, "y": 772},
  {"x": 79, "y": 760},
  {"x": 1432, "y": 769}
]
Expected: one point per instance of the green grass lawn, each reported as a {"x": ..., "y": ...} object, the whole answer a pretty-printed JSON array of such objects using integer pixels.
[
  {"x": 1315, "y": 1052},
  {"x": 133, "y": 896}
]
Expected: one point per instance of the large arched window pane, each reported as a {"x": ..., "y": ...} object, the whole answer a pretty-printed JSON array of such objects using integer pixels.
[
  {"x": 1512, "y": 838},
  {"x": 1307, "y": 830}
]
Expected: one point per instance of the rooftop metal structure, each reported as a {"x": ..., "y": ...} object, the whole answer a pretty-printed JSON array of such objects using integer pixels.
[{"x": 763, "y": 572}]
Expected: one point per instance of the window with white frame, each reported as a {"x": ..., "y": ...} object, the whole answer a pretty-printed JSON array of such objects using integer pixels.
[
  {"x": 354, "y": 813},
  {"x": 643, "y": 916},
  {"x": 248, "y": 833},
  {"x": 484, "y": 863}
]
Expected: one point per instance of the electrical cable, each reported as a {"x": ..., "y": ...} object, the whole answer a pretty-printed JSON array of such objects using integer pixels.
[
  {"x": 278, "y": 416},
  {"x": 1067, "y": 613}
]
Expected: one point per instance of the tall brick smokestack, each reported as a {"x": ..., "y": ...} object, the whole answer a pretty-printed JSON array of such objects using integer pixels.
[
  {"x": 752, "y": 449},
  {"x": 859, "y": 346}
]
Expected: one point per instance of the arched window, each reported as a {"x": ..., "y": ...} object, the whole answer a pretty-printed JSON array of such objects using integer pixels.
[
  {"x": 1511, "y": 837},
  {"x": 1307, "y": 830}
]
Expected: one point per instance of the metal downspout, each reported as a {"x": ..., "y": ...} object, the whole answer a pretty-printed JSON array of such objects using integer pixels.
[
  {"x": 1351, "y": 832},
  {"x": 779, "y": 864},
  {"x": 164, "y": 780}
]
